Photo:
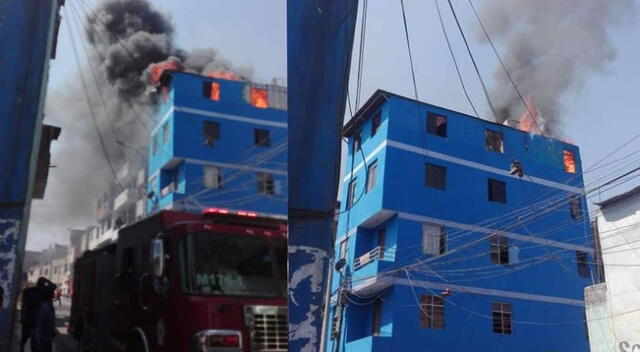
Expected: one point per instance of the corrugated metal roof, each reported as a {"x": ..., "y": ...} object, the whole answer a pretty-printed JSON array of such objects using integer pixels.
[{"x": 619, "y": 197}]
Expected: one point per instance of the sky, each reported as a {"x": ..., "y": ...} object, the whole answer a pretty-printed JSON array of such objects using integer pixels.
[
  {"x": 599, "y": 116},
  {"x": 249, "y": 33}
]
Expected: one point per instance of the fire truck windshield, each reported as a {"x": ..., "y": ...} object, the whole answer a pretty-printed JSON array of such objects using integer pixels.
[{"x": 232, "y": 265}]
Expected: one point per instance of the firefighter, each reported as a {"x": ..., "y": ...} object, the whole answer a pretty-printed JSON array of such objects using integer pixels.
[{"x": 38, "y": 316}]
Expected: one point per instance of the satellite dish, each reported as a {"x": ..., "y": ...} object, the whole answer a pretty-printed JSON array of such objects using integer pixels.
[{"x": 340, "y": 264}]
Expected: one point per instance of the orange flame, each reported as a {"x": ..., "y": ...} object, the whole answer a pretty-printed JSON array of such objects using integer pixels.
[
  {"x": 215, "y": 91},
  {"x": 259, "y": 98},
  {"x": 527, "y": 121},
  {"x": 160, "y": 67},
  {"x": 569, "y": 162},
  {"x": 223, "y": 74}
]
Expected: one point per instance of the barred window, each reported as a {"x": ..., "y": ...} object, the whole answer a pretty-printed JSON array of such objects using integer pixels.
[
  {"x": 431, "y": 312},
  {"x": 502, "y": 318}
]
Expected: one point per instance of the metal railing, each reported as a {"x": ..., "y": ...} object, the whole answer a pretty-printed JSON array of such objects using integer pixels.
[{"x": 377, "y": 253}]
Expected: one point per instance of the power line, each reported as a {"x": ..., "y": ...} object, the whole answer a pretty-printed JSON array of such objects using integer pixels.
[
  {"x": 455, "y": 62},
  {"x": 91, "y": 111},
  {"x": 475, "y": 66}
]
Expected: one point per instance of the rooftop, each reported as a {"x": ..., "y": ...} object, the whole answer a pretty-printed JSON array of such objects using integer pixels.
[
  {"x": 380, "y": 96},
  {"x": 619, "y": 197}
]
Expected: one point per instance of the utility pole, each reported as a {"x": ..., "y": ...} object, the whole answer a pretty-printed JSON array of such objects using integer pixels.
[
  {"x": 27, "y": 37},
  {"x": 320, "y": 41}
]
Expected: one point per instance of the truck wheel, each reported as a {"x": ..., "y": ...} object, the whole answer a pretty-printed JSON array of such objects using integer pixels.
[{"x": 135, "y": 344}]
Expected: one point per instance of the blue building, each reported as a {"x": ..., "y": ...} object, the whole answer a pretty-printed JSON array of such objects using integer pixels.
[
  {"x": 459, "y": 234},
  {"x": 218, "y": 143}
]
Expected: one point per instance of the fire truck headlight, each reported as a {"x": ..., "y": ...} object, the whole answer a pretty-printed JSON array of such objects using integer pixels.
[{"x": 217, "y": 340}]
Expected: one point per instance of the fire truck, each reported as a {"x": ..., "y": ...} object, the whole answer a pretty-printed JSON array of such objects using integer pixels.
[{"x": 178, "y": 281}]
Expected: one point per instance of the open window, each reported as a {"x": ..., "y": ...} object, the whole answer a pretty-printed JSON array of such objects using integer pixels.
[
  {"x": 437, "y": 124},
  {"x": 212, "y": 177},
  {"x": 493, "y": 141},
  {"x": 261, "y": 137},
  {"x": 211, "y": 132},
  {"x": 569, "y": 161},
  {"x": 211, "y": 90},
  {"x": 575, "y": 207},
  {"x": 435, "y": 176},
  {"x": 434, "y": 239},
  {"x": 375, "y": 123},
  {"x": 497, "y": 191},
  {"x": 259, "y": 98}
]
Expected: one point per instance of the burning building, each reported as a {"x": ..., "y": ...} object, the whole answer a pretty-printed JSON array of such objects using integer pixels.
[
  {"x": 219, "y": 141},
  {"x": 448, "y": 232}
]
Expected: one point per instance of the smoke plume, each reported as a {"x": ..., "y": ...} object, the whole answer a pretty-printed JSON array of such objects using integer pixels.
[
  {"x": 124, "y": 40},
  {"x": 550, "y": 46}
]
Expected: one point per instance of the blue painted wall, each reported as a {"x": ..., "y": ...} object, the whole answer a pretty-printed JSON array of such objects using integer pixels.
[
  {"x": 181, "y": 156},
  {"x": 26, "y": 42},
  {"x": 541, "y": 281}
]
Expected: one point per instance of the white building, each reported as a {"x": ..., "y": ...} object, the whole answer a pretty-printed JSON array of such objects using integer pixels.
[{"x": 613, "y": 307}]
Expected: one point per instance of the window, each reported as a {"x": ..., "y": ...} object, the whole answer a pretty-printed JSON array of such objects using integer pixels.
[
  {"x": 212, "y": 177},
  {"x": 351, "y": 193},
  {"x": 502, "y": 318},
  {"x": 165, "y": 133},
  {"x": 436, "y": 124},
  {"x": 336, "y": 321},
  {"x": 377, "y": 317},
  {"x": 499, "y": 249},
  {"x": 211, "y": 90},
  {"x": 493, "y": 141},
  {"x": 375, "y": 123},
  {"x": 382, "y": 239},
  {"x": 431, "y": 312},
  {"x": 583, "y": 266},
  {"x": 261, "y": 138},
  {"x": 153, "y": 183},
  {"x": 575, "y": 207},
  {"x": 434, "y": 239},
  {"x": 372, "y": 171},
  {"x": 343, "y": 249},
  {"x": 357, "y": 141},
  {"x": 259, "y": 98},
  {"x": 569, "y": 162},
  {"x": 211, "y": 132},
  {"x": 155, "y": 144},
  {"x": 497, "y": 191},
  {"x": 435, "y": 176},
  {"x": 265, "y": 183}
]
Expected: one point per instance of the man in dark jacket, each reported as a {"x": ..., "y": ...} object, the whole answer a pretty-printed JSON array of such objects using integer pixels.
[{"x": 38, "y": 316}]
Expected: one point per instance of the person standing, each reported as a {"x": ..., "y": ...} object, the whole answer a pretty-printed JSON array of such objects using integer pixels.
[{"x": 42, "y": 316}]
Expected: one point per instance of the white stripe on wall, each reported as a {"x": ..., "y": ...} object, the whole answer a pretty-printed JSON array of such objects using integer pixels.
[
  {"x": 488, "y": 292},
  {"x": 463, "y": 162},
  {"x": 515, "y": 236},
  {"x": 366, "y": 159},
  {"x": 162, "y": 120},
  {"x": 231, "y": 117},
  {"x": 478, "y": 166},
  {"x": 236, "y": 166}
]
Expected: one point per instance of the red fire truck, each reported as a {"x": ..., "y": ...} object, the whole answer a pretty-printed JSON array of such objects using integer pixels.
[{"x": 177, "y": 281}]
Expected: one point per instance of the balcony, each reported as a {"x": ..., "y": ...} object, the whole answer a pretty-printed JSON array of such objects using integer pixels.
[
  {"x": 127, "y": 197},
  {"x": 170, "y": 188},
  {"x": 378, "y": 253}
]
